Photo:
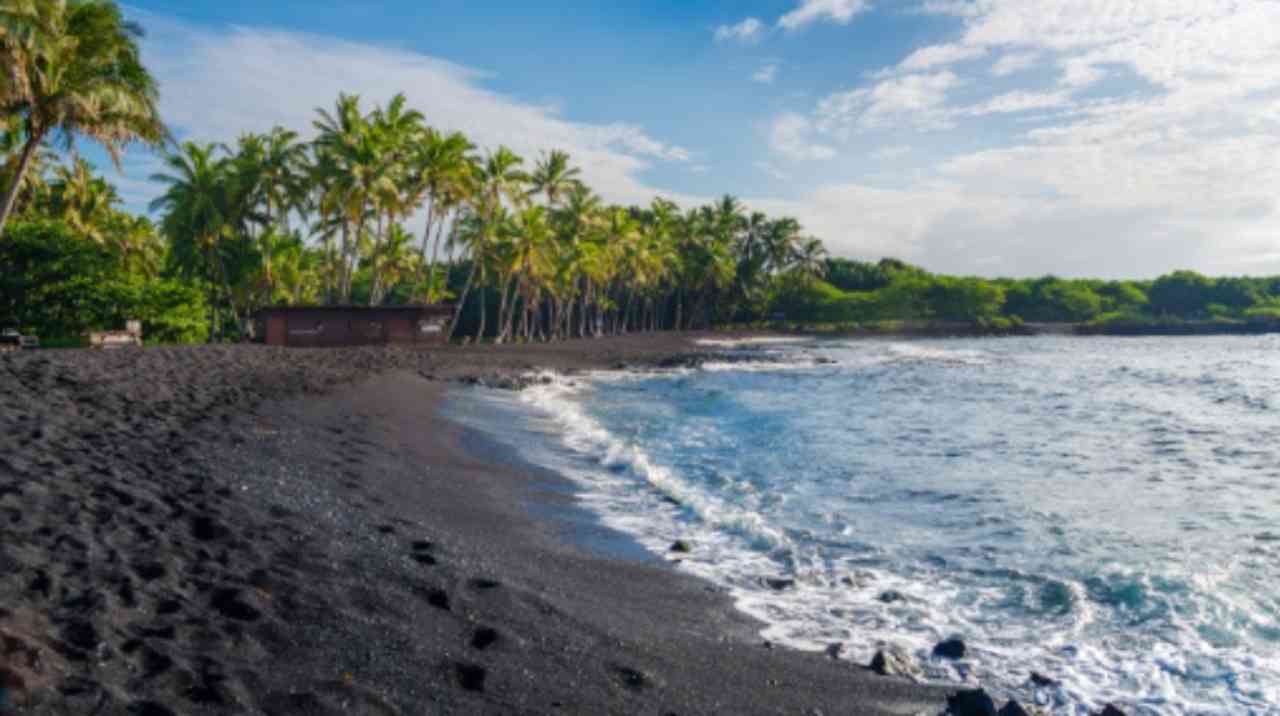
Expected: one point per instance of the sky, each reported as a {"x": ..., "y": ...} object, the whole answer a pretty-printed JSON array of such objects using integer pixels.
[{"x": 1106, "y": 138}]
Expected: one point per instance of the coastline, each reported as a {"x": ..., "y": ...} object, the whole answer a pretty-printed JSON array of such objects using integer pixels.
[{"x": 248, "y": 529}]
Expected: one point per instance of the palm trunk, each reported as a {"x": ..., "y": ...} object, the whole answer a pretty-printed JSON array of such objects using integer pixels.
[
  {"x": 422, "y": 253},
  {"x": 431, "y": 267},
  {"x": 504, "y": 322},
  {"x": 484, "y": 308},
  {"x": 457, "y": 311},
  {"x": 375, "y": 283},
  {"x": 24, "y": 163}
]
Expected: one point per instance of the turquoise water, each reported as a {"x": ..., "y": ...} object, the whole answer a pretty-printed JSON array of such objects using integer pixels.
[{"x": 1103, "y": 511}]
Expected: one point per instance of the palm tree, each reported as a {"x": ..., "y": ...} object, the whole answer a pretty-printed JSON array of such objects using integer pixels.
[
  {"x": 442, "y": 171},
  {"x": 553, "y": 177},
  {"x": 398, "y": 263},
  {"x": 83, "y": 201},
  {"x": 197, "y": 217},
  {"x": 73, "y": 68},
  {"x": 575, "y": 221},
  {"x": 810, "y": 259}
]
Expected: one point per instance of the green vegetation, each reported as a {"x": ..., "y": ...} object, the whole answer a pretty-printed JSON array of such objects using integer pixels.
[{"x": 525, "y": 249}]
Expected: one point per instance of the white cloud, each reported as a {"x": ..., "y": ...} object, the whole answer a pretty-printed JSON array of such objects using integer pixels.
[
  {"x": 790, "y": 136},
  {"x": 1014, "y": 62},
  {"x": 810, "y": 11},
  {"x": 935, "y": 55},
  {"x": 892, "y": 151},
  {"x": 1019, "y": 101},
  {"x": 915, "y": 99},
  {"x": 1168, "y": 163},
  {"x": 262, "y": 78},
  {"x": 749, "y": 30},
  {"x": 767, "y": 74}
]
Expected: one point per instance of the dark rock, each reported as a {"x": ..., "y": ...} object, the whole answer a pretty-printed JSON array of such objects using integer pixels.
[
  {"x": 1013, "y": 708},
  {"x": 681, "y": 546},
  {"x": 1110, "y": 710},
  {"x": 779, "y": 584},
  {"x": 950, "y": 649},
  {"x": 890, "y": 596},
  {"x": 833, "y": 650},
  {"x": 973, "y": 702},
  {"x": 1043, "y": 681}
]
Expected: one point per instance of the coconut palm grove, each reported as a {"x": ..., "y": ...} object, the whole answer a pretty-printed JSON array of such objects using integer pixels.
[{"x": 372, "y": 205}]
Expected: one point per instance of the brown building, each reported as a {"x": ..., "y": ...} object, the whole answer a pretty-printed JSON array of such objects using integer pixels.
[{"x": 329, "y": 326}]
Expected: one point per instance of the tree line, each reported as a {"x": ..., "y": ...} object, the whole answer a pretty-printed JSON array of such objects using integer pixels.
[
  {"x": 857, "y": 292},
  {"x": 377, "y": 207}
]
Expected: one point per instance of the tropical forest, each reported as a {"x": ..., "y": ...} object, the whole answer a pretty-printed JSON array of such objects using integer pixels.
[{"x": 373, "y": 205}]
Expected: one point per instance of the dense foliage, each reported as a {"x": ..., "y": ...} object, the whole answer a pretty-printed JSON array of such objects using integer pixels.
[
  {"x": 525, "y": 249},
  {"x": 857, "y": 292}
]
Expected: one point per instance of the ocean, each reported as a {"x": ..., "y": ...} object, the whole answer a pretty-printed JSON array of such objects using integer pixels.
[{"x": 1101, "y": 511}]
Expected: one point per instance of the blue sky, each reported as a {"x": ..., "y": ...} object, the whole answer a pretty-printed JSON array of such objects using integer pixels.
[{"x": 995, "y": 137}]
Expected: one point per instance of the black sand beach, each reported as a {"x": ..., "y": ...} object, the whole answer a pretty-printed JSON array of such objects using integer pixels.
[{"x": 244, "y": 529}]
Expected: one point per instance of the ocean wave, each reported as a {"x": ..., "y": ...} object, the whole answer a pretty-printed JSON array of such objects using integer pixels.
[
  {"x": 592, "y": 441},
  {"x": 1157, "y": 630}
]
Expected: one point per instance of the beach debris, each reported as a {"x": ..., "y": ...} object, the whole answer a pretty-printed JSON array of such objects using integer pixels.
[
  {"x": 681, "y": 546},
  {"x": 833, "y": 650},
  {"x": 893, "y": 661},
  {"x": 971, "y": 702},
  {"x": 950, "y": 649}
]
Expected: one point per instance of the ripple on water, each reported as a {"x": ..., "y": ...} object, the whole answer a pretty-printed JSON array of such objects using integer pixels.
[{"x": 1097, "y": 511}]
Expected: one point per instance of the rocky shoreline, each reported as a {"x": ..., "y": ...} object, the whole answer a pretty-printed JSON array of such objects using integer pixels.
[{"x": 254, "y": 530}]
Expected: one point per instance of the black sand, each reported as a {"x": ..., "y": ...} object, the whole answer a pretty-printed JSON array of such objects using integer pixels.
[{"x": 255, "y": 530}]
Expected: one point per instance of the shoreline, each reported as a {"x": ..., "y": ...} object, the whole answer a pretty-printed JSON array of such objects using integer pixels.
[{"x": 249, "y": 529}]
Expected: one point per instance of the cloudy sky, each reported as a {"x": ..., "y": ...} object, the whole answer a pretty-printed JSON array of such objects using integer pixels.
[{"x": 1112, "y": 138}]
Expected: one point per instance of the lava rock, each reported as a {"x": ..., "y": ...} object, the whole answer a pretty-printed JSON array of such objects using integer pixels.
[
  {"x": 1013, "y": 708},
  {"x": 1110, "y": 710},
  {"x": 950, "y": 649},
  {"x": 681, "y": 546},
  {"x": 778, "y": 584},
  {"x": 1043, "y": 681},
  {"x": 973, "y": 702},
  {"x": 890, "y": 596}
]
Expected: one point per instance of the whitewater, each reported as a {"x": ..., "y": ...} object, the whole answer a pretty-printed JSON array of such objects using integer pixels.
[{"x": 1104, "y": 512}]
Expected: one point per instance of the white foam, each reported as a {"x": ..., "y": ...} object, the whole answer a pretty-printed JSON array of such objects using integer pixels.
[
  {"x": 755, "y": 341},
  {"x": 735, "y": 547}
]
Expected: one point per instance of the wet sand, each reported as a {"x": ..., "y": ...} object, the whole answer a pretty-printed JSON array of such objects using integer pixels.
[{"x": 246, "y": 529}]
